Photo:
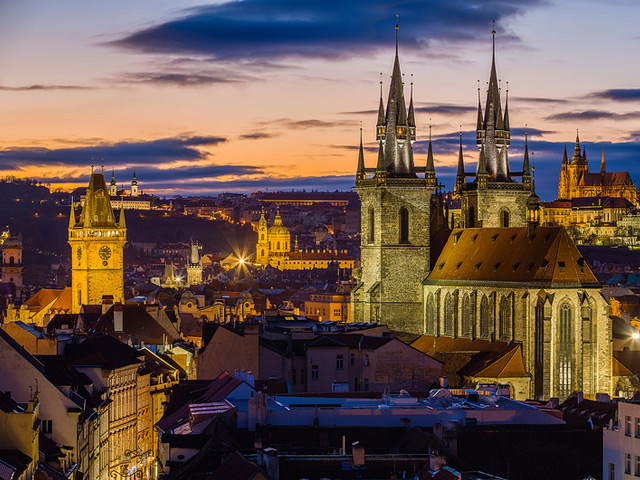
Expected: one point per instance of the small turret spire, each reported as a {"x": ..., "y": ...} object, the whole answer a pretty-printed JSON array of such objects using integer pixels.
[
  {"x": 506, "y": 109},
  {"x": 479, "y": 126},
  {"x": 360, "y": 172},
  {"x": 603, "y": 168},
  {"x": 565, "y": 159},
  {"x": 526, "y": 172},
  {"x": 460, "y": 172},
  {"x": 430, "y": 171}
]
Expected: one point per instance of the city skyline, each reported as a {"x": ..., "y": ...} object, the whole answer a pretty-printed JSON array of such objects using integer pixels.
[{"x": 251, "y": 95}]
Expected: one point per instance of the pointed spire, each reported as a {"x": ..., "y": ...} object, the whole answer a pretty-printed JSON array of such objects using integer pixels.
[
  {"x": 576, "y": 149},
  {"x": 460, "y": 172},
  {"x": 479, "y": 123},
  {"x": 603, "y": 168},
  {"x": 565, "y": 160},
  {"x": 121, "y": 221},
  {"x": 72, "y": 217},
  {"x": 526, "y": 172},
  {"x": 482, "y": 168},
  {"x": 381, "y": 108},
  {"x": 113, "y": 176},
  {"x": 360, "y": 173},
  {"x": 506, "y": 110},
  {"x": 430, "y": 171},
  {"x": 584, "y": 153}
]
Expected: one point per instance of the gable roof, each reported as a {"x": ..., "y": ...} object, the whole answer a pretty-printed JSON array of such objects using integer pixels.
[
  {"x": 608, "y": 179},
  {"x": 138, "y": 326},
  {"x": 236, "y": 467},
  {"x": 497, "y": 364},
  {"x": 510, "y": 256},
  {"x": 42, "y": 298},
  {"x": 102, "y": 351}
]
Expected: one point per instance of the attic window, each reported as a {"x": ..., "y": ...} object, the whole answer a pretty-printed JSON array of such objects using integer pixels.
[
  {"x": 544, "y": 264},
  {"x": 581, "y": 264},
  {"x": 546, "y": 237},
  {"x": 512, "y": 238},
  {"x": 495, "y": 266},
  {"x": 440, "y": 266},
  {"x": 473, "y": 239},
  {"x": 532, "y": 237},
  {"x": 493, "y": 239},
  {"x": 458, "y": 265},
  {"x": 478, "y": 265},
  {"x": 515, "y": 266},
  {"x": 529, "y": 267},
  {"x": 562, "y": 266},
  {"x": 456, "y": 237}
]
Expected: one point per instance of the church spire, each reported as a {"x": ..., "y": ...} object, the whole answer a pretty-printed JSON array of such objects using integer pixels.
[
  {"x": 479, "y": 124},
  {"x": 506, "y": 110},
  {"x": 360, "y": 172},
  {"x": 411, "y": 120},
  {"x": 460, "y": 172},
  {"x": 526, "y": 172},
  {"x": 565, "y": 160},
  {"x": 603, "y": 168},
  {"x": 576, "y": 149},
  {"x": 380, "y": 125},
  {"x": 430, "y": 170}
]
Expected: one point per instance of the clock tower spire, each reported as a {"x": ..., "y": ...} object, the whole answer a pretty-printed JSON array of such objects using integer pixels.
[{"x": 97, "y": 243}]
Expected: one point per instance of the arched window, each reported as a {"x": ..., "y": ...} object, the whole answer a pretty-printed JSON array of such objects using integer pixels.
[
  {"x": 505, "y": 318},
  {"x": 11, "y": 260},
  {"x": 278, "y": 246},
  {"x": 504, "y": 217},
  {"x": 472, "y": 217},
  {"x": 485, "y": 317},
  {"x": 404, "y": 225},
  {"x": 467, "y": 315},
  {"x": 565, "y": 352},
  {"x": 430, "y": 315},
  {"x": 262, "y": 252},
  {"x": 372, "y": 224},
  {"x": 262, "y": 236},
  {"x": 448, "y": 315}
]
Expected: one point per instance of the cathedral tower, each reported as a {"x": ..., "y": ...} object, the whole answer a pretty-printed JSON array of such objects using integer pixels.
[
  {"x": 262, "y": 247},
  {"x": 134, "y": 185},
  {"x": 97, "y": 243},
  {"x": 493, "y": 198},
  {"x": 113, "y": 189},
  {"x": 395, "y": 218}
]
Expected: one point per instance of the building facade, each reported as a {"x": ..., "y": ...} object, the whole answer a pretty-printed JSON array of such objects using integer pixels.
[
  {"x": 12, "y": 266},
  {"x": 97, "y": 243}
]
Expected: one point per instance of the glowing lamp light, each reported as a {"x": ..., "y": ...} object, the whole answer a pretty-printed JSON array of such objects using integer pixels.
[
  {"x": 635, "y": 335},
  {"x": 241, "y": 260}
]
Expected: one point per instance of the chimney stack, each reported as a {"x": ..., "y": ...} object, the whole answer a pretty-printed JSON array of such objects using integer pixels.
[
  {"x": 107, "y": 301},
  {"x": 118, "y": 318}
]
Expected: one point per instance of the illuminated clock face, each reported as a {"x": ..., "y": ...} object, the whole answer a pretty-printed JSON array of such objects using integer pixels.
[
  {"x": 104, "y": 252},
  {"x": 79, "y": 252}
]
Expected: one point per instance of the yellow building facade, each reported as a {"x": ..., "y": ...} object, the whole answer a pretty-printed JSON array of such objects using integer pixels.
[{"x": 97, "y": 243}]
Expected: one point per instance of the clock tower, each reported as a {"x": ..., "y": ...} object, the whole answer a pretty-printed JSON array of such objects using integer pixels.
[{"x": 97, "y": 241}]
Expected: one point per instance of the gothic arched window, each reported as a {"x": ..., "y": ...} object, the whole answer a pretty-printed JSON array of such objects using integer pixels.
[
  {"x": 430, "y": 315},
  {"x": 485, "y": 317},
  {"x": 504, "y": 217},
  {"x": 372, "y": 225},
  {"x": 539, "y": 350},
  {"x": 467, "y": 315},
  {"x": 448, "y": 315},
  {"x": 565, "y": 368},
  {"x": 505, "y": 318},
  {"x": 404, "y": 225},
  {"x": 11, "y": 260}
]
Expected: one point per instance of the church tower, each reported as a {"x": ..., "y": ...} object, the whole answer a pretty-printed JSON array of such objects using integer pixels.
[
  {"x": 134, "y": 185},
  {"x": 395, "y": 218},
  {"x": 12, "y": 260},
  {"x": 493, "y": 198},
  {"x": 97, "y": 243},
  {"x": 262, "y": 247},
  {"x": 113, "y": 189},
  {"x": 194, "y": 267}
]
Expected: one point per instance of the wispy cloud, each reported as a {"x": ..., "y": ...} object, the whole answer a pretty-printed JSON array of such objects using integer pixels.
[
  {"x": 258, "y": 136},
  {"x": 592, "y": 115},
  {"x": 178, "y": 79},
  {"x": 36, "y": 88}
]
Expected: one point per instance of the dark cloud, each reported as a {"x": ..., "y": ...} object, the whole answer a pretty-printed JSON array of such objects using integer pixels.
[
  {"x": 275, "y": 29},
  {"x": 34, "y": 88},
  {"x": 179, "y": 79},
  {"x": 258, "y": 136},
  {"x": 618, "y": 94},
  {"x": 431, "y": 108},
  {"x": 152, "y": 152},
  {"x": 592, "y": 115},
  {"x": 310, "y": 123}
]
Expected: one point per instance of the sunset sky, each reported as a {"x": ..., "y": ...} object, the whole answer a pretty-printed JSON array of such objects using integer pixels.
[{"x": 251, "y": 95}]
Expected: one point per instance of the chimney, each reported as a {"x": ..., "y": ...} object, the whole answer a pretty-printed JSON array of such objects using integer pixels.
[
  {"x": 107, "y": 301},
  {"x": 118, "y": 318},
  {"x": 357, "y": 451},
  {"x": 271, "y": 462}
]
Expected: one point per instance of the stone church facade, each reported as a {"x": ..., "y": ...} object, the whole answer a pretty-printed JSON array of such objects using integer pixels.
[{"x": 501, "y": 279}]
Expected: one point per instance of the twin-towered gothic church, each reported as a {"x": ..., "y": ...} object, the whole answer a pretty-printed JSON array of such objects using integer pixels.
[{"x": 501, "y": 283}]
